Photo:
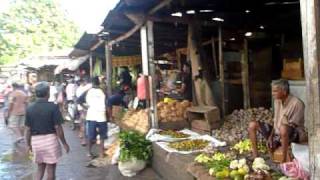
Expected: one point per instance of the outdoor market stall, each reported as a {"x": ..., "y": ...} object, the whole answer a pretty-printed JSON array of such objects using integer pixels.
[{"x": 220, "y": 36}]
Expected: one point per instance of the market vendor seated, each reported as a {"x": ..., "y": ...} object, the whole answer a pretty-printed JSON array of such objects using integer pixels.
[
  {"x": 116, "y": 100},
  {"x": 288, "y": 121}
]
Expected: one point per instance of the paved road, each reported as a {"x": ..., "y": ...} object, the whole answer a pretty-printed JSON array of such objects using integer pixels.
[{"x": 14, "y": 163}]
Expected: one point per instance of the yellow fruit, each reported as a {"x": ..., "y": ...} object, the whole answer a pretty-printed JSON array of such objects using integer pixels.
[
  {"x": 222, "y": 174},
  {"x": 242, "y": 171},
  {"x": 226, "y": 172},
  {"x": 234, "y": 173},
  {"x": 219, "y": 174},
  {"x": 238, "y": 177}
]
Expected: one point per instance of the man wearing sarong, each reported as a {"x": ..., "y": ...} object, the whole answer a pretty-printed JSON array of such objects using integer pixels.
[{"x": 288, "y": 121}]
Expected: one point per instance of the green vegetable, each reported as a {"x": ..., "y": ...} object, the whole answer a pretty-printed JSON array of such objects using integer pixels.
[{"x": 134, "y": 145}]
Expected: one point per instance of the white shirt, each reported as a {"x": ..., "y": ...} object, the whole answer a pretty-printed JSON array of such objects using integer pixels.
[
  {"x": 71, "y": 91},
  {"x": 81, "y": 89},
  {"x": 95, "y": 100},
  {"x": 53, "y": 94}
]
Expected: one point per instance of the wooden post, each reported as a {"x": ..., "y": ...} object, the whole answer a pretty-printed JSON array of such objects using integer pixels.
[
  {"x": 245, "y": 75},
  {"x": 152, "y": 69},
  {"x": 91, "y": 65},
  {"x": 310, "y": 20},
  {"x": 214, "y": 57},
  {"x": 148, "y": 67},
  {"x": 221, "y": 71},
  {"x": 108, "y": 56},
  {"x": 194, "y": 56},
  {"x": 144, "y": 50}
]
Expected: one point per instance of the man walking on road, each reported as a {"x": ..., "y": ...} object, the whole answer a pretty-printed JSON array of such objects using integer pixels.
[
  {"x": 16, "y": 111},
  {"x": 96, "y": 116}
]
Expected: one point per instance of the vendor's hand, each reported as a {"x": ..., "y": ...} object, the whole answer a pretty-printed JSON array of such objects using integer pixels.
[{"x": 66, "y": 147}]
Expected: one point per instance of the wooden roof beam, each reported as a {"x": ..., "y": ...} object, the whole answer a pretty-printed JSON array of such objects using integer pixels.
[{"x": 139, "y": 21}]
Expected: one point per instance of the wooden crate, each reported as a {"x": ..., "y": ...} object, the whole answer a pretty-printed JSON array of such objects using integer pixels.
[
  {"x": 292, "y": 74},
  {"x": 210, "y": 116},
  {"x": 293, "y": 64},
  {"x": 174, "y": 125},
  {"x": 201, "y": 126},
  {"x": 293, "y": 69}
]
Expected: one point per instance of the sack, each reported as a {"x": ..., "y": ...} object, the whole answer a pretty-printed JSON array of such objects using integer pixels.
[
  {"x": 301, "y": 154},
  {"x": 294, "y": 170},
  {"x": 132, "y": 167}
]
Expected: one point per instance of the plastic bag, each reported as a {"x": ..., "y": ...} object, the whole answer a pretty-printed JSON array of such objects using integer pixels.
[
  {"x": 115, "y": 157},
  {"x": 110, "y": 140},
  {"x": 132, "y": 167},
  {"x": 294, "y": 170},
  {"x": 301, "y": 154}
]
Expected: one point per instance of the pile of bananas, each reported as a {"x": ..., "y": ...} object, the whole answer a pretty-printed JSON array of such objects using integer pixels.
[
  {"x": 174, "y": 134},
  {"x": 189, "y": 145},
  {"x": 245, "y": 146}
]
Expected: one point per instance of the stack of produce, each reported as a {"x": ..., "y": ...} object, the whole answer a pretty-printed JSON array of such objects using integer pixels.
[
  {"x": 218, "y": 164},
  {"x": 189, "y": 145},
  {"x": 173, "y": 111},
  {"x": 136, "y": 120},
  {"x": 239, "y": 169},
  {"x": 245, "y": 146},
  {"x": 173, "y": 134},
  {"x": 235, "y": 125},
  {"x": 134, "y": 145}
]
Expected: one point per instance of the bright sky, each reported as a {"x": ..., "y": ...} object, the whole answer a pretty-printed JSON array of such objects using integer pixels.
[{"x": 88, "y": 14}]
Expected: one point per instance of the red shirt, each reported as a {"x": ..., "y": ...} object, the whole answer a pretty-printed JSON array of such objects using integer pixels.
[{"x": 142, "y": 87}]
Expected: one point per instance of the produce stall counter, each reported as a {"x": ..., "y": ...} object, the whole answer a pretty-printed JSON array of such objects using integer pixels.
[{"x": 171, "y": 165}]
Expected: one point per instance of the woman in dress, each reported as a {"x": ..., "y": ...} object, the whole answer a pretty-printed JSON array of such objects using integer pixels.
[{"x": 43, "y": 131}]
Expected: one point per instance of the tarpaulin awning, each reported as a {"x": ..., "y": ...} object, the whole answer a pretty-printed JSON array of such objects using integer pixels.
[{"x": 72, "y": 64}]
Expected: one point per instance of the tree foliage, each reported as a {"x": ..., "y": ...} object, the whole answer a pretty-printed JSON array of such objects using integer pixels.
[{"x": 30, "y": 27}]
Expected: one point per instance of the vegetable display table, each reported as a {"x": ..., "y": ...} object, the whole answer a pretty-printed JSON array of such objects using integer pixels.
[{"x": 171, "y": 165}]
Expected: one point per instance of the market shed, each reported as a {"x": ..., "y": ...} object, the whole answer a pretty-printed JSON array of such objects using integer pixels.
[
  {"x": 249, "y": 33},
  {"x": 241, "y": 46}
]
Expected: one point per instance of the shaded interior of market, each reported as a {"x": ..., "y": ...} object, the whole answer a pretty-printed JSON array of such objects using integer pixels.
[
  {"x": 276, "y": 35},
  {"x": 236, "y": 49}
]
